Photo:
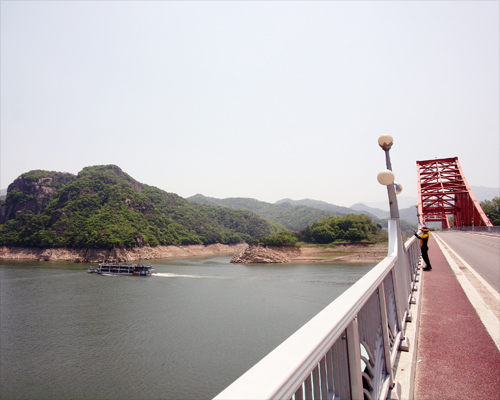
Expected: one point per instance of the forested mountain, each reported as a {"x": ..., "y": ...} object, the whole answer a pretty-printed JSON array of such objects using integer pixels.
[
  {"x": 377, "y": 212},
  {"x": 103, "y": 207},
  {"x": 406, "y": 214},
  {"x": 298, "y": 214},
  {"x": 293, "y": 217},
  {"x": 322, "y": 205},
  {"x": 235, "y": 203}
]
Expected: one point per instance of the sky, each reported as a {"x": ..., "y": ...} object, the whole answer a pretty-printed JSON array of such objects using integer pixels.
[{"x": 259, "y": 99}]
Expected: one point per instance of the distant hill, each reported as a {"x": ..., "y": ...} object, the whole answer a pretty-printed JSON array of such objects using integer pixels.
[
  {"x": 293, "y": 217},
  {"x": 235, "y": 203},
  {"x": 403, "y": 202},
  {"x": 103, "y": 207},
  {"x": 339, "y": 210},
  {"x": 377, "y": 212},
  {"x": 293, "y": 214},
  {"x": 408, "y": 216}
]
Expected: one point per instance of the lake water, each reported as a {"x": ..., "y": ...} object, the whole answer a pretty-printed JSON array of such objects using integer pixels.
[{"x": 186, "y": 333}]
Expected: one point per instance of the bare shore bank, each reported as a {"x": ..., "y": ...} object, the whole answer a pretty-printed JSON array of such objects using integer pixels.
[
  {"x": 344, "y": 253},
  {"x": 306, "y": 255},
  {"x": 118, "y": 254},
  {"x": 310, "y": 254}
]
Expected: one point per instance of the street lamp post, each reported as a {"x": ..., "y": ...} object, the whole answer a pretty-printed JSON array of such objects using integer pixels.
[
  {"x": 386, "y": 177},
  {"x": 396, "y": 247}
]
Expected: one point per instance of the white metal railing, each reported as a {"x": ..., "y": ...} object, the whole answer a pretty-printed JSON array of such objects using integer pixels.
[{"x": 349, "y": 349}]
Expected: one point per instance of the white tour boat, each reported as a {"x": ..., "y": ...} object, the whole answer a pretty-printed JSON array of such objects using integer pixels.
[{"x": 123, "y": 269}]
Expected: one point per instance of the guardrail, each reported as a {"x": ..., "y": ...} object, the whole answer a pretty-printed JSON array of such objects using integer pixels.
[
  {"x": 349, "y": 349},
  {"x": 489, "y": 229}
]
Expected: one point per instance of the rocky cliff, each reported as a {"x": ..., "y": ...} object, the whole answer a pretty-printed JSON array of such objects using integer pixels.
[
  {"x": 32, "y": 192},
  {"x": 266, "y": 255}
]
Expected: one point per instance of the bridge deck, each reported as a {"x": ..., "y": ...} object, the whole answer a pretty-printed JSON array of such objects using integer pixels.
[{"x": 457, "y": 358}]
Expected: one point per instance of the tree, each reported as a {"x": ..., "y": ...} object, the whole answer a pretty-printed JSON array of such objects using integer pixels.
[
  {"x": 280, "y": 239},
  {"x": 492, "y": 209},
  {"x": 350, "y": 227}
]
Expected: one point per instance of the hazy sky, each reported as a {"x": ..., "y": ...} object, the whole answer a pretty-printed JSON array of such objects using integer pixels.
[{"x": 258, "y": 99}]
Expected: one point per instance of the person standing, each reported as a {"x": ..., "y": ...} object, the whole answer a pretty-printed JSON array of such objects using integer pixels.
[{"x": 424, "y": 247}]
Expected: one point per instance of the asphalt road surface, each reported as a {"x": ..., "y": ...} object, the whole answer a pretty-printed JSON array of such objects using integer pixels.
[{"x": 481, "y": 252}]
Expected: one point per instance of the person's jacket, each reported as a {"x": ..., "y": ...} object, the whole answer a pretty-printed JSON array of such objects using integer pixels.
[{"x": 424, "y": 238}]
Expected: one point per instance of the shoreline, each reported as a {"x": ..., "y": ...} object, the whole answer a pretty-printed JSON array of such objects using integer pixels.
[
  {"x": 344, "y": 253},
  {"x": 308, "y": 254},
  {"x": 117, "y": 254}
]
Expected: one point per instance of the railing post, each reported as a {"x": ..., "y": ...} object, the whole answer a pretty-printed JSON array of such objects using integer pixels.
[
  {"x": 385, "y": 333},
  {"x": 316, "y": 384},
  {"x": 323, "y": 378},
  {"x": 397, "y": 282},
  {"x": 308, "y": 388},
  {"x": 354, "y": 356},
  {"x": 329, "y": 371}
]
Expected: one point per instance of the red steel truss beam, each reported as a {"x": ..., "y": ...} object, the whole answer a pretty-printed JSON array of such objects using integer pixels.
[{"x": 443, "y": 191}]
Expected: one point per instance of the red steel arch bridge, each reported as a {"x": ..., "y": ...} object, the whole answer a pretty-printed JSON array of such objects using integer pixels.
[{"x": 444, "y": 191}]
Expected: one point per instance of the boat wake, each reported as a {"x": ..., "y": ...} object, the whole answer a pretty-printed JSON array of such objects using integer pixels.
[{"x": 172, "y": 275}]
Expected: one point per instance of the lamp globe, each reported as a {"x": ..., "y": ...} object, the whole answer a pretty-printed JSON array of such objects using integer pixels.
[
  {"x": 385, "y": 141},
  {"x": 385, "y": 177}
]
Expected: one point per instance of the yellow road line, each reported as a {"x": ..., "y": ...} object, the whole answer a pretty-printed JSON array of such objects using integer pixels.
[{"x": 489, "y": 244}]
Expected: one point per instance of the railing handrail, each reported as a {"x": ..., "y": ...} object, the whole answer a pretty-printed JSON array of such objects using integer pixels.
[
  {"x": 293, "y": 359},
  {"x": 279, "y": 374}
]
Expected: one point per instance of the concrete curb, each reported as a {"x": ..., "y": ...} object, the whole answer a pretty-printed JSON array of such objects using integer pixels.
[{"x": 406, "y": 361}]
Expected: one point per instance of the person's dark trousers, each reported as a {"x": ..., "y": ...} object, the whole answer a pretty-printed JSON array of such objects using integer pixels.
[{"x": 425, "y": 256}]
